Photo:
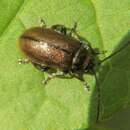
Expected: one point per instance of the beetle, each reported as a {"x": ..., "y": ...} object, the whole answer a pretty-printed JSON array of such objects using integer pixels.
[
  {"x": 57, "y": 48},
  {"x": 60, "y": 49}
]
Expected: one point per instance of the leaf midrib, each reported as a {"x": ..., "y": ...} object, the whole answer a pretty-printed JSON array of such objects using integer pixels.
[{"x": 11, "y": 19}]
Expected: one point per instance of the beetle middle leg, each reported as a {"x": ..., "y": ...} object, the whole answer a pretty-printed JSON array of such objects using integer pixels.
[
  {"x": 40, "y": 67},
  {"x": 53, "y": 75}
]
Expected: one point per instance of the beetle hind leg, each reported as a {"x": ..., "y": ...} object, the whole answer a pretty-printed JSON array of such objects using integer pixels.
[{"x": 23, "y": 61}]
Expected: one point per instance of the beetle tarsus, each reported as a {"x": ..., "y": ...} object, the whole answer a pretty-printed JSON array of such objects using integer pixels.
[
  {"x": 82, "y": 80},
  {"x": 43, "y": 23},
  {"x": 23, "y": 61},
  {"x": 86, "y": 87},
  {"x": 53, "y": 75},
  {"x": 45, "y": 81},
  {"x": 48, "y": 79},
  {"x": 73, "y": 29}
]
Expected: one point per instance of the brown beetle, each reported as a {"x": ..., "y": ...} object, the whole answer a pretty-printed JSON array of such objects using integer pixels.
[
  {"x": 59, "y": 48},
  {"x": 56, "y": 48}
]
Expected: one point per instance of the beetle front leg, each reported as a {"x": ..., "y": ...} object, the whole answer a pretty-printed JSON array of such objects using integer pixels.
[
  {"x": 81, "y": 79},
  {"x": 87, "y": 44},
  {"x": 51, "y": 76},
  {"x": 86, "y": 87}
]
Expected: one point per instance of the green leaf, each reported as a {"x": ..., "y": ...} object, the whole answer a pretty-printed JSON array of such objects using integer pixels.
[
  {"x": 63, "y": 104},
  {"x": 96, "y": 127}
]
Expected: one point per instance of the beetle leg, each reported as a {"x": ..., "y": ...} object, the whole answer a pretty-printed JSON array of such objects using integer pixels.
[
  {"x": 53, "y": 75},
  {"x": 73, "y": 29},
  {"x": 86, "y": 43},
  {"x": 43, "y": 23},
  {"x": 81, "y": 79},
  {"x": 97, "y": 52},
  {"x": 59, "y": 28},
  {"x": 41, "y": 67},
  {"x": 86, "y": 87},
  {"x": 64, "y": 30},
  {"x": 23, "y": 61}
]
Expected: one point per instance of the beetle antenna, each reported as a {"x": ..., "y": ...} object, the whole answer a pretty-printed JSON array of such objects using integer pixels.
[
  {"x": 98, "y": 95},
  {"x": 116, "y": 52}
]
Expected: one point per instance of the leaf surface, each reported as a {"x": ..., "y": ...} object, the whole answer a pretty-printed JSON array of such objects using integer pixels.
[{"x": 63, "y": 104}]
